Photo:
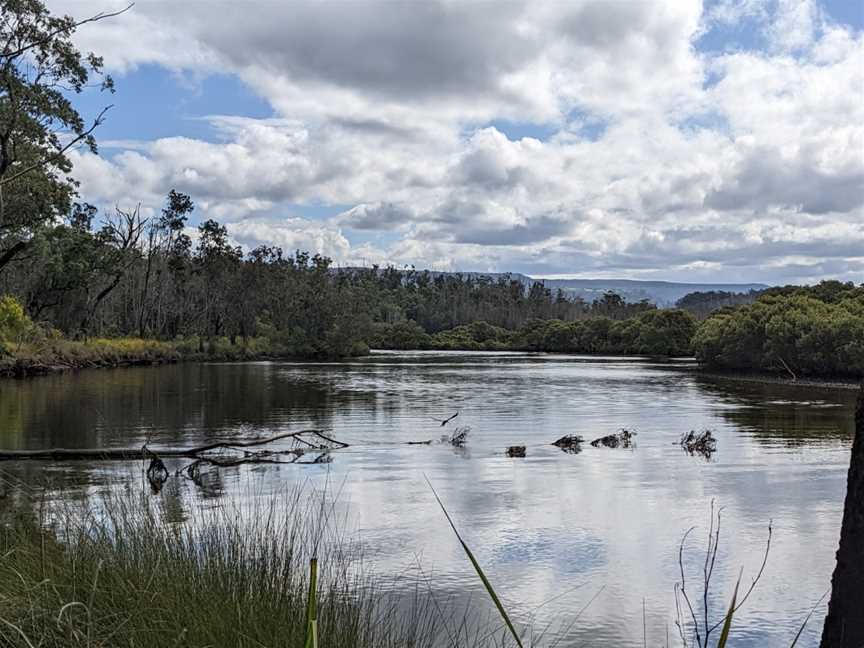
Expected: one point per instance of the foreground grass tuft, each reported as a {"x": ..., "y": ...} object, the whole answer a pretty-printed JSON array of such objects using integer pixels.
[{"x": 126, "y": 577}]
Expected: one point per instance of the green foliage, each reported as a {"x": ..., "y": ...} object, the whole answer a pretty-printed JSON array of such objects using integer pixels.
[
  {"x": 407, "y": 334},
  {"x": 816, "y": 331},
  {"x": 727, "y": 621},
  {"x": 14, "y": 323},
  {"x": 652, "y": 332},
  {"x": 39, "y": 68},
  {"x": 663, "y": 332},
  {"x": 477, "y": 336}
]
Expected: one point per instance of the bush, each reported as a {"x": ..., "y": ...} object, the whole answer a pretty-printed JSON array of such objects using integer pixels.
[
  {"x": 14, "y": 323},
  {"x": 788, "y": 331},
  {"x": 400, "y": 335}
]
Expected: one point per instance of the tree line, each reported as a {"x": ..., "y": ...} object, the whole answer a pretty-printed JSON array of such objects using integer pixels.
[{"x": 131, "y": 276}]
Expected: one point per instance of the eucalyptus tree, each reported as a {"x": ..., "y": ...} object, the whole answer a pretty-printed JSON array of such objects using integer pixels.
[{"x": 40, "y": 68}]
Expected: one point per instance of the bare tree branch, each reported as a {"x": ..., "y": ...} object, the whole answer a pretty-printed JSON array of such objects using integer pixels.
[
  {"x": 68, "y": 29},
  {"x": 55, "y": 156}
]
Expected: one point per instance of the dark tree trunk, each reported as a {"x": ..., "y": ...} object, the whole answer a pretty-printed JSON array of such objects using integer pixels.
[
  {"x": 844, "y": 625},
  {"x": 10, "y": 254},
  {"x": 85, "y": 323}
]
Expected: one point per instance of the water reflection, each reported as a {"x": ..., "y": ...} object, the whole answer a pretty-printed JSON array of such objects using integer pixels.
[
  {"x": 553, "y": 528},
  {"x": 782, "y": 413}
]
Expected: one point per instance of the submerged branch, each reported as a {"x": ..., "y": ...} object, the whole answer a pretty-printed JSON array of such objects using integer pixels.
[{"x": 304, "y": 438}]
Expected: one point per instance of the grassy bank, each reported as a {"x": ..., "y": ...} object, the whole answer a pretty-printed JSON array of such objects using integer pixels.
[
  {"x": 127, "y": 577},
  {"x": 61, "y": 354}
]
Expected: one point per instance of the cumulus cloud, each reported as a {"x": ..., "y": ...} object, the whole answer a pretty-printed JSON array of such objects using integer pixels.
[
  {"x": 290, "y": 234},
  {"x": 376, "y": 216},
  {"x": 746, "y": 164}
]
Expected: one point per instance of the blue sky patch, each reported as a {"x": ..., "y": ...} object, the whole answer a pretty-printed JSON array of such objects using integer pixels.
[
  {"x": 515, "y": 131},
  {"x": 152, "y": 102}
]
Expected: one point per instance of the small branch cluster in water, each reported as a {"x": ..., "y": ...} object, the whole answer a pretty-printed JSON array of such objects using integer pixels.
[
  {"x": 571, "y": 444},
  {"x": 702, "y": 443},
  {"x": 458, "y": 437},
  {"x": 516, "y": 451},
  {"x": 621, "y": 439}
]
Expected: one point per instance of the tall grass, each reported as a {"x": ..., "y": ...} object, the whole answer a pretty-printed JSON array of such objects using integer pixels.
[
  {"x": 57, "y": 352},
  {"x": 122, "y": 575},
  {"x": 125, "y": 572}
]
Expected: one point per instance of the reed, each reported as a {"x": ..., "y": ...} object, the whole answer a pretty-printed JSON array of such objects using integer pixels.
[{"x": 121, "y": 573}]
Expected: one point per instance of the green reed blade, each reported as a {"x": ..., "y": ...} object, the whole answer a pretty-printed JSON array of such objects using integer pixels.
[
  {"x": 478, "y": 569},
  {"x": 807, "y": 618},
  {"x": 727, "y": 624},
  {"x": 312, "y": 606}
]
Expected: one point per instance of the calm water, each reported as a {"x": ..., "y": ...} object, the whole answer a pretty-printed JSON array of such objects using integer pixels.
[{"x": 552, "y": 529}]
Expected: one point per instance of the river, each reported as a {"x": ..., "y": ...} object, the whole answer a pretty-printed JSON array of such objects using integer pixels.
[{"x": 554, "y": 531}]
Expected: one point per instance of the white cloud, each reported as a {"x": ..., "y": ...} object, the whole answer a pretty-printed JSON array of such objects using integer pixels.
[
  {"x": 291, "y": 234},
  {"x": 742, "y": 162},
  {"x": 794, "y": 25}
]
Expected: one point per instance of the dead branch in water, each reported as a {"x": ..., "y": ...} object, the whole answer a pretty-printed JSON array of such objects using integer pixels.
[
  {"x": 458, "y": 438},
  {"x": 218, "y": 454},
  {"x": 571, "y": 444},
  {"x": 702, "y": 443},
  {"x": 311, "y": 439},
  {"x": 516, "y": 451}
]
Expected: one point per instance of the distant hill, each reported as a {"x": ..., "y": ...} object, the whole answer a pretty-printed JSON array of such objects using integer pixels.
[{"x": 662, "y": 293}]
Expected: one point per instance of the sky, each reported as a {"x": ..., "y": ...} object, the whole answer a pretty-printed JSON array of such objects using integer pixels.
[{"x": 713, "y": 141}]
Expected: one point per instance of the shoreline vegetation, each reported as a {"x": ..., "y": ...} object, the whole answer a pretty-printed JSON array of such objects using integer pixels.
[
  {"x": 143, "y": 285},
  {"x": 811, "y": 335},
  {"x": 71, "y": 356},
  {"x": 138, "y": 291}
]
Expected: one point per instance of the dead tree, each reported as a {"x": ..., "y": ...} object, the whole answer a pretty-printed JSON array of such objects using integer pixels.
[
  {"x": 120, "y": 235},
  {"x": 844, "y": 625}
]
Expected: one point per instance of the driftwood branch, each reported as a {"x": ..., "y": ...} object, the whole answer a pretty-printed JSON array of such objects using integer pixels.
[
  {"x": 303, "y": 438},
  {"x": 786, "y": 367}
]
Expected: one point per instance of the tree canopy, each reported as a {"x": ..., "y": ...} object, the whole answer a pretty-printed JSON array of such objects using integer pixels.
[{"x": 40, "y": 70}]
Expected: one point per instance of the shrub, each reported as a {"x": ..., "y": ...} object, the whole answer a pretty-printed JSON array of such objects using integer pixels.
[{"x": 14, "y": 323}]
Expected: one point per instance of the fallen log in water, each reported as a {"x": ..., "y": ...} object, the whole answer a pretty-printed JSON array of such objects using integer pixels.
[{"x": 311, "y": 439}]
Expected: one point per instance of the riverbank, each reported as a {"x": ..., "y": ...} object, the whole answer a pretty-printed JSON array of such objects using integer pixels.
[
  {"x": 108, "y": 353},
  {"x": 63, "y": 355},
  {"x": 774, "y": 379}
]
